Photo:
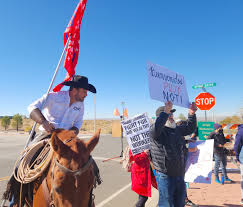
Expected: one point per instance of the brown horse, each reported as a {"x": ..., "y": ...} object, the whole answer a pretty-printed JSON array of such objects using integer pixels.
[{"x": 70, "y": 178}]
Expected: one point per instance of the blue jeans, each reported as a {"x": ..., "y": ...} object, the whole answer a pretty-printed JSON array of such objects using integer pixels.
[
  {"x": 220, "y": 160},
  {"x": 172, "y": 190},
  {"x": 241, "y": 182}
]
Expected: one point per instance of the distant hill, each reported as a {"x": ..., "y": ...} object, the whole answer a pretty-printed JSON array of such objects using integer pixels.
[{"x": 87, "y": 127}]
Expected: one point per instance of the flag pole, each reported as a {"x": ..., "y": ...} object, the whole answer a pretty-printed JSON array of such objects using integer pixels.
[{"x": 49, "y": 89}]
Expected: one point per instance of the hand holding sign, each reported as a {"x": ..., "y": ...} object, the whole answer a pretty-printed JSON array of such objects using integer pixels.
[
  {"x": 192, "y": 108},
  {"x": 168, "y": 107}
]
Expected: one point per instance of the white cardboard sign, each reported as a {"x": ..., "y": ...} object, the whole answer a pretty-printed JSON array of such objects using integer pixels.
[
  {"x": 199, "y": 164},
  {"x": 137, "y": 132},
  {"x": 166, "y": 85}
]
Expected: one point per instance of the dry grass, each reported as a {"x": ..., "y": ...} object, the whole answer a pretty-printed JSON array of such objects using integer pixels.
[
  {"x": 105, "y": 125},
  {"x": 87, "y": 127}
]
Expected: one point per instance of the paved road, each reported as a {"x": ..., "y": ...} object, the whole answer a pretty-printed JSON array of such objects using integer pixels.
[{"x": 115, "y": 190}]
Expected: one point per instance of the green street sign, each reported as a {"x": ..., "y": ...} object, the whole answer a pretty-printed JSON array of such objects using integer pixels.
[
  {"x": 204, "y": 85},
  {"x": 204, "y": 129}
]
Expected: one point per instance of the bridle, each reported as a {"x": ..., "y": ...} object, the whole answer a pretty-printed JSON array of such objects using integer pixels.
[
  {"x": 74, "y": 173},
  {"x": 48, "y": 195}
]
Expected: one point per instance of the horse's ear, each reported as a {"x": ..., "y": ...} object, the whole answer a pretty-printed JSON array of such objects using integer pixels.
[
  {"x": 58, "y": 146},
  {"x": 93, "y": 141}
]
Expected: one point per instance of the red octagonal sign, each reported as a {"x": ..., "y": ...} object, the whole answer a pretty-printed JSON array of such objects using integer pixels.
[{"x": 205, "y": 101}]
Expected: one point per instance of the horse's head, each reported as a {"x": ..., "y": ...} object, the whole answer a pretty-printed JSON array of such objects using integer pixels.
[
  {"x": 71, "y": 169},
  {"x": 67, "y": 146}
]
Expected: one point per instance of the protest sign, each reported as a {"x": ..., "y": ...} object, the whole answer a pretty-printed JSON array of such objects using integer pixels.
[
  {"x": 199, "y": 164},
  {"x": 137, "y": 132},
  {"x": 166, "y": 85}
]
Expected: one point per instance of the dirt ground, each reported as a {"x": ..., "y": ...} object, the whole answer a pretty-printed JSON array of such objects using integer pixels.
[{"x": 215, "y": 194}]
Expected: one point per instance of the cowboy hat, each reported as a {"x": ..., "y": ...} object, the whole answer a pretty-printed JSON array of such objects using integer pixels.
[{"x": 80, "y": 82}]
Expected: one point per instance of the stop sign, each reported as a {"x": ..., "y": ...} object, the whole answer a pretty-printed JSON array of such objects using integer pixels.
[{"x": 205, "y": 101}]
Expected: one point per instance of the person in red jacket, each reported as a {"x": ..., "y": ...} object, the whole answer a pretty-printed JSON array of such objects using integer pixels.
[{"x": 142, "y": 177}]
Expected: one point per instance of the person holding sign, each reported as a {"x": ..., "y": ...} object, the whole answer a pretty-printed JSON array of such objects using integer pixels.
[
  {"x": 141, "y": 176},
  {"x": 186, "y": 150},
  {"x": 167, "y": 150}
]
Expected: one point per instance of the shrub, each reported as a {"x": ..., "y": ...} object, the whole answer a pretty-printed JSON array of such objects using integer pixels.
[{"x": 27, "y": 128}]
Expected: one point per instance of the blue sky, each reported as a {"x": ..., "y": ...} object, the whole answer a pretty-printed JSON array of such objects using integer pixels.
[{"x": 201, "y": 39}]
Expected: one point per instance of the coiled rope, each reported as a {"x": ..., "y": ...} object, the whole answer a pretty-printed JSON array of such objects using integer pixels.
[{"x": 28, "y": 171}]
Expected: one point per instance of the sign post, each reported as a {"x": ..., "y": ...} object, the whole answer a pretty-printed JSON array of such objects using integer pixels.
[
  {"x": 205, "y": 101},
  {"x": 204, "y": 129},
  {"x": 203, "y": 87}
]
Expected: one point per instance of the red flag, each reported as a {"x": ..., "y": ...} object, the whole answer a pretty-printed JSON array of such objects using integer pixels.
[{"x": 72, "y": 29}]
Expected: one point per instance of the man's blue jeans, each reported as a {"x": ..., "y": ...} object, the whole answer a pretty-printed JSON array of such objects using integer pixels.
[
  {"x": 220, "y": 160},
  {"x": 241, "y": 173},
  {"x": 172, "y": 190}
]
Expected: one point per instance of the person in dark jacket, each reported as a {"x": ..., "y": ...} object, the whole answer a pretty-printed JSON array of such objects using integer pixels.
[
  {"x": 167, "y": 150},
  {"x": 219, "y": 152},
  {"x": 188, "y": 202},
  {"x": 239, "y": 154}
]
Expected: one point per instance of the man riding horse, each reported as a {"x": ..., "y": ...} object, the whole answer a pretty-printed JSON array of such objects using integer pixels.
[{"x": 63, "y": 109}]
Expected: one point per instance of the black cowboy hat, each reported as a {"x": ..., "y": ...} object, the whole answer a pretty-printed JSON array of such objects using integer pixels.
[{"x": 80, "y": 82}]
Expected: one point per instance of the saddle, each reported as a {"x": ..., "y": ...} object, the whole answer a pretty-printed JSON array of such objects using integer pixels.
[{"x": 29, "y": 168}]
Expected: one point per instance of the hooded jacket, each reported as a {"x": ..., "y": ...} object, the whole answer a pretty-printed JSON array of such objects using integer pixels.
[
  {"x": 239, "y": 143},
  {"x": 141, "y": 176},
  {"x": 219, "y": 138},
  {"x": 167, "y": 145}
]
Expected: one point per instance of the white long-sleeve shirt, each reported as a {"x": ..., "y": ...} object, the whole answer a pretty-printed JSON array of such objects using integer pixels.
[{"x": 58, "y": 112}]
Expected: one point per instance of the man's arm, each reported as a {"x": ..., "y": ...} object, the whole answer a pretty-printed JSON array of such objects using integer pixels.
[
  {"x": 211, "y": 135},
  {"x": 36, "y": 115},
  {"x": 38, "y": 104},
  {"x": 195, "y": 134},
  {"x": 163, "y": 117},
  {"x": 191, "y": 122},
  {"x": 238, "y": 145}
]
